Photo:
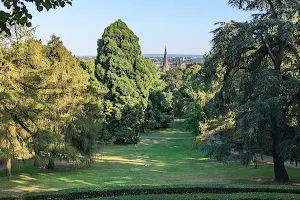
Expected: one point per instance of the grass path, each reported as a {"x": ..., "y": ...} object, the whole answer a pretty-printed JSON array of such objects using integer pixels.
[{"x": 173, "y": 162}]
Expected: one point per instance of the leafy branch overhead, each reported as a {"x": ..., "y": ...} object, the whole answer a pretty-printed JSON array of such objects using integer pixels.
[{"x": 16, "y": 11}]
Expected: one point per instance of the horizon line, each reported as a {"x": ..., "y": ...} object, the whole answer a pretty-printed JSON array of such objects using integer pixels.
[{"x": 153, "y": 54}]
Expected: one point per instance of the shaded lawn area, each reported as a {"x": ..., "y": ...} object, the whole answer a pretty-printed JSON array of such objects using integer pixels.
[
  {"x": 173, "y": 162},
  {"x": 176, "y": 129}
]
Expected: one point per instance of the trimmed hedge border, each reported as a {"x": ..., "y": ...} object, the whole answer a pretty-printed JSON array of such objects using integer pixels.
[{"x": 154, "y": 191}]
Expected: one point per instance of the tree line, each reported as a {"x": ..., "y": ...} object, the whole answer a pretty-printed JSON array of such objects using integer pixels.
[
  {"x": 246, "y": 94},
  {"x": 55, "y": 106}
]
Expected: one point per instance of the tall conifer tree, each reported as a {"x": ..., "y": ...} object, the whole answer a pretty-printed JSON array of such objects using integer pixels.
[
  {"x": 128, "y": 78},
  {"x": 257, "y": 64}
]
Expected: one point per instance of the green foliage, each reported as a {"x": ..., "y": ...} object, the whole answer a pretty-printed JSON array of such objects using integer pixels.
[
  {"x": 260, "y": 65},
  {"x": 234, "y": 196},
  {"x": 128, "y": 78},
  {"x": 159, "y": 112},
  {"x": 84, "y": 131},
  {"x": 44, "y": 92},
  {"x": 188, "y": 91},
  {"x": 173, "y": 79},
  {"x": 89, "y": 66},
  {"x": 194, "y": 116},
  {"x": 17, "y": 110},
  {"x": 17, "y": 12},
  {"x": 165, "y": 192},
  {"x": 96, "y": 87},
  {"x": 62, "y": 92}
]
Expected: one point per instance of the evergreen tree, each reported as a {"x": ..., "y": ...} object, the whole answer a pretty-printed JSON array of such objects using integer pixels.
[
  {"x": 17, "y": 71},
  {"x": 43, "y": 90},
  {"x": 257, "y": 66},
  {"x": 63, "y": 92},
  {"x": 128, "y": 79}
]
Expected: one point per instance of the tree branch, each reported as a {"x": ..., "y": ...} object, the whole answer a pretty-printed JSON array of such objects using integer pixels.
[
  {"x": 270, "y": 53},
  {"x": 27, "y": 115},
  {"x": 18, "y": 121}
]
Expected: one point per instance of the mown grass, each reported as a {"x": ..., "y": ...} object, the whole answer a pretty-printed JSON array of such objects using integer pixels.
[
  {"x": 176, "y": 129},
  {"x": 173, "y": 162}
]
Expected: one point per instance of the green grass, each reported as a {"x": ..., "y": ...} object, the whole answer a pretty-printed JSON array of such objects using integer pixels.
[
  {"x": 176, "y": 130},
  {"x": 174, "y": 162}
]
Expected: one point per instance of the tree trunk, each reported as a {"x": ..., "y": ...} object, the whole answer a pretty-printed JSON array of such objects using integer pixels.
[
  {"x": 8, "y": 167},
  {"x": 281, "y": 175},
  {"x": 50, "y": 164}
]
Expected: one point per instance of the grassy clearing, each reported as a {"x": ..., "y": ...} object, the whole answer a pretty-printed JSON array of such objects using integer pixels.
[
  {"x": 173, "y": 162},
  {"x": 176, "y": 130}
]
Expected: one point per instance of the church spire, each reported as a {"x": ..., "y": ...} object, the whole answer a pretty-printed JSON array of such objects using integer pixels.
[{"x": 165, "y": 66}]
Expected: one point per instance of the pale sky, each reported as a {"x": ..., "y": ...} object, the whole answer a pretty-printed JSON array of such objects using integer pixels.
[{"x": 183, "y": 26}]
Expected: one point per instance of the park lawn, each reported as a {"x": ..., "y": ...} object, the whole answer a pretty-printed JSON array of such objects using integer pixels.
[
  {"x": 173, "y": 162},
  {"x": 176, "y": 129}
]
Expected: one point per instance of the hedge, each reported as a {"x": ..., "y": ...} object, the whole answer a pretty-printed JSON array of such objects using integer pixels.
[{"x": 125, "y": 192}]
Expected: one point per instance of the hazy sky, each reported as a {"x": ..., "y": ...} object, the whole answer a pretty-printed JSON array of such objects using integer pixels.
[{"x": 183, "y": 25}]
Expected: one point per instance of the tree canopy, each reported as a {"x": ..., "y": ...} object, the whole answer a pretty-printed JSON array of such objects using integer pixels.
[
  {"x": 43, "y": 92},
  {"x": 127, "y": 77},
  {"x": 257, "y": 66}
]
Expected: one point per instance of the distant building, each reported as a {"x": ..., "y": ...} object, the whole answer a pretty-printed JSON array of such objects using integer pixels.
[{"x": 165, "y": 66}]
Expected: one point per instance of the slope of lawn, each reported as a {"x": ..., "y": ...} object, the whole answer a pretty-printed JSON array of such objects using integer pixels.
[{"x": 173, "y": 162}]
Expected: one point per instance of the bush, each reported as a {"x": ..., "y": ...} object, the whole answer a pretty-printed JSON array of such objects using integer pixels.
[{"x": 87, "y": 194}]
